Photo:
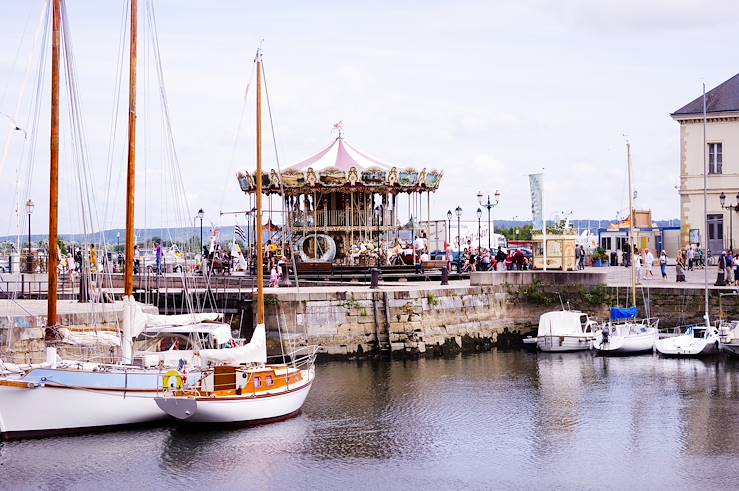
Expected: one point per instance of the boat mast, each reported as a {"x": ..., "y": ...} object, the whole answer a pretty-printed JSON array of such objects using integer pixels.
[
  {"x": 631, "y": 227},
  {"x": 131, "y": 175},
  {"x": 258, "y": 218},
  {"x": 705, "y": 209},
  {"x": 51, "y": 316}
]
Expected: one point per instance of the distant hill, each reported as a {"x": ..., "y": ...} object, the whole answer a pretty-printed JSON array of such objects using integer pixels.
[{"x": 184, "y": 234}]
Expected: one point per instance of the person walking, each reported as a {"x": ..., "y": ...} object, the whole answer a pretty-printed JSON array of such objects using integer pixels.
[
  {"x": 663, "y": 264},
  {"x": 500, "y": 257},
  {"x": 577, "y": 256},
  {"x": 581, "y": 264},
  {"x": 679, "y": 268},
  {"x": 649, "y": 262},
  {"x": 730, "y": 268},
  {"x": 721, "y": 275},
  {"x": 158, "y": 252},
  {"x": 691, "y": 257},
  {"x": 638, "y": 267}
]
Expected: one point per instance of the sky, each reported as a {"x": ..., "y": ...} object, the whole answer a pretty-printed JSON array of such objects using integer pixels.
[{"x": 486, "y": 91}]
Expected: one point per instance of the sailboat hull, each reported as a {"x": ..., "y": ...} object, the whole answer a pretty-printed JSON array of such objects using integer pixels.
[
  {"x": 627, "y": 344},
  {"x": 46, "y": 411},
  {"x": 248, "y": 410},
  {"x": 687, "y": 346}
]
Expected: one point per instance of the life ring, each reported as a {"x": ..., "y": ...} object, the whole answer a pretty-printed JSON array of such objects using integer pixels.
[
  {"x": 179, "y": 382},
  {"x": 328, "y": 254}
]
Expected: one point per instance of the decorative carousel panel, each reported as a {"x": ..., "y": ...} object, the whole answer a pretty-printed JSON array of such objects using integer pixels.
[
  {"x": 392, "y": 177},
  {"x": 266, "y": 180},
  {"x": 293, "y": 179},
  {"x": 311, "y": 177},
  {"x": 246, "y": 181},
  {"x": 274, "y": 178},
  {"x": 332, "y": 176},
  {"x": 373, "y": 176},
  {"x": 433, "y": 178},
  {"x": 408, "y": 177}
]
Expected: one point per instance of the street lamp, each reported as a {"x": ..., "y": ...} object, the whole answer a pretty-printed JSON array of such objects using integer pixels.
[
  {"x": 730, "y": 207},
  {"x": 29, "y": 259},
  {"x": 378, "y": 215},
  {"x": 458, "y": 211},
  {"x": 489, "y": 206},
  {"x": 479, "y": 239},
  {"x": 201, "y": 215},
  {"x": 449, "y": 223}
]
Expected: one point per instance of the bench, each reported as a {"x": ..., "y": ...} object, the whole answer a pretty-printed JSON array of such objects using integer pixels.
[{"x": 433, "y": 264}]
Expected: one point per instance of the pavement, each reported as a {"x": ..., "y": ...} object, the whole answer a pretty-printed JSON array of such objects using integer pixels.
[{"x": 621, "y": 276}]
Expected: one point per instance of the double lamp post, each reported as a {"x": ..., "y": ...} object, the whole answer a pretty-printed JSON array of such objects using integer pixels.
[{"x": 731, "y": 208}]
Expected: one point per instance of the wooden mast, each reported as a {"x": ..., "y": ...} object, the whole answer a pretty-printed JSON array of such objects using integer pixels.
[
  {"x": 259, "y": 268},
  {"x": 51, "y": 316},
  {"x": 131, "y": 174}
]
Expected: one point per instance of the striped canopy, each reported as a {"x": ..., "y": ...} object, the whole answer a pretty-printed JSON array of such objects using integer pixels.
[{"x": 341, "y": 155}]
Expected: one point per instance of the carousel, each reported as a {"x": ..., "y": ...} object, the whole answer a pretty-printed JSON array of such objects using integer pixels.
[{"x": 342, "y": 205}]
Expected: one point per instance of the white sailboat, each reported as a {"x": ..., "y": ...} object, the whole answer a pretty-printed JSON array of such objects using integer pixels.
[
  {"x": 696, "y": 340},
  {"x": 59, "y": 397},
  {"x": 627, "y": 336},
  {"x": 238, "y": 386}
]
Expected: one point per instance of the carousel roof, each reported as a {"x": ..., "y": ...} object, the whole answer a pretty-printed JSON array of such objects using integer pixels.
[
  {"x": 342, "y": 166},
  {"x": 340, "y": 155}
]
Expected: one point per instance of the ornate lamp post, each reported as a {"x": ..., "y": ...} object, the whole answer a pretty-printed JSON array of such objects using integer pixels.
[
  {"x": 29, "y": 259},
  {"x": 458, "y": 211},
  {"x": 489, "y": 205},
  {"x": 479, "y": 239},
  {"x": 449, "y": 223},
  {"x": 730, "y": 207}
]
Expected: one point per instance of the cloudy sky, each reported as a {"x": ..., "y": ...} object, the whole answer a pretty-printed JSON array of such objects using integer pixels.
[{"x": 486, "y": 91}]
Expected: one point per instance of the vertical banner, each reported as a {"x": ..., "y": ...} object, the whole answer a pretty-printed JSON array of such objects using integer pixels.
[{"x": 537, "y": 205}]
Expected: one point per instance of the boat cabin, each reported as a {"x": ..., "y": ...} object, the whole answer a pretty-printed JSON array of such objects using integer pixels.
[{"x": 566, "y": 323}]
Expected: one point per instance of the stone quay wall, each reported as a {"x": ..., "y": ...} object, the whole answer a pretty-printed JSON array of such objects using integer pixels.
[{"x": 447, "y": 320}]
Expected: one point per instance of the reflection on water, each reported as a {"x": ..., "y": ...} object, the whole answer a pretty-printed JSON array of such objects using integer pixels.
[{"x": 511, "y": 420}]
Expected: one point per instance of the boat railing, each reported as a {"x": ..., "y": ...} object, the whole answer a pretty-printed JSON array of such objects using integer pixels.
[{"x": 302, "y": 357}]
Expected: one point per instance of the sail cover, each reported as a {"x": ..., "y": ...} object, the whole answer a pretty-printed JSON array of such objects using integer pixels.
[
  {"x": 618, "y": 314},
  {"x": 255, "y": 351}
]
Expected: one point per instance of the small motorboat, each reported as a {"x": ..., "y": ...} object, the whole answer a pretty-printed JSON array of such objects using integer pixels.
[{"x": 565, "y": 330}]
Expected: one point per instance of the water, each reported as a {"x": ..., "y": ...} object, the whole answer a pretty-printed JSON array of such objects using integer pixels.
[{"x": 496, "y": 420}]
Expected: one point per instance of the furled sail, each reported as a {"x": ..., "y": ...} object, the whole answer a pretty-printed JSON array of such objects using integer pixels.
[{"x": 255, "y": 351}]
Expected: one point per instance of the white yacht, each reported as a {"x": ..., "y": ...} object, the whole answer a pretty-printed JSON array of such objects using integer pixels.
[
  {"x": 695, "y": 341},
  {"x": 623, "y": 334}
]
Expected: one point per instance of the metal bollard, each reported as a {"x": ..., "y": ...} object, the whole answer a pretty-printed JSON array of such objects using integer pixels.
[
  {"x": 444, "y": 276},
  {"x": 375, "y": 280},
  {"x": 284, "y": 276}
]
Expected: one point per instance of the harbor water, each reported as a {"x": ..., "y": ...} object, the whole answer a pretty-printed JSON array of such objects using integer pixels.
[{"x": 490, "y": 421}]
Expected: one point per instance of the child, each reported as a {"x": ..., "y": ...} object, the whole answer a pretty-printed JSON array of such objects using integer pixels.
[{"x": 274, "y": 277}]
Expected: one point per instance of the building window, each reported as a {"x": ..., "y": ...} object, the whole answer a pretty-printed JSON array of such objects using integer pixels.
[
  {"x": 605, "y": 243},
  {"x": 715, "y": 158}
]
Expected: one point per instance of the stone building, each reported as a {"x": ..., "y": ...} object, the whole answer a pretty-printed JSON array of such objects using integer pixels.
[{"x": 722, "y": 163}]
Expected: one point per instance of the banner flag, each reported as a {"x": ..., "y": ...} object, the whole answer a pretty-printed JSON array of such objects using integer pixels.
[{"x": 536, "y": 181}]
